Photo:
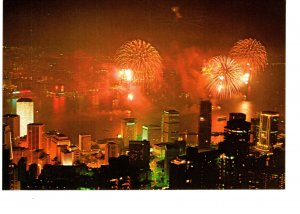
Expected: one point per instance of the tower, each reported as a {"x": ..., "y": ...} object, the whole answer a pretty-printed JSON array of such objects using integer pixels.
[
  {"x": 35, "y": 135},
  {"x": 234, "y": 151},
  {"x": 268, "y": 129},
  {"x": 255, "y": 130},
  {"x": 237, "y": 129},
  {"x": 25, "y": 109},
  {"x": 204, "y": 128},
  {"x": 129, "y": 130},
  {"x": 152, "y": 133},
  {"x": 13, "y": 120},
  {"x": 170, "y": 126}
]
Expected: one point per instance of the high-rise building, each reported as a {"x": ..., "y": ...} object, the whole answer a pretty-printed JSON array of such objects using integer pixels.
[
  {"x": 13, "y": 120},
  {"x": 255, "y": 130},
  {"x": 129, "y": 130},
  {"x": 25, "y": 109},
  {"x": 178, "y": 176},
  {"x": 234, "y": 150},
  {"x": 204, "y": 128},
  {"x": 52, "y": 140},
  {"x": 35, "y": 136},
  {"x": 151, "y": 133},
  {"x": 111, "y": 151},
  {"x": 194, "y": 170},
  {"x": 6, "y": 157},
  {"x": 268, "y": 130},
  {"x": 6, "y": 139},
  {"x": 76, "y": 153},
  {"x": 59, "y": 152},
  {"x": 85, "y": 142},
  {"x": 119, "y": 141},
  {"x": 67, "y": 157},
  {"x": 237, "y": 129},
  {"x": 139, "y": 153},
  {"x": 172, "y": 150},
  {"x": 170, "y": 126},
  {"x": 159, "y": 151},
  {"x": 61, "y": 140}
]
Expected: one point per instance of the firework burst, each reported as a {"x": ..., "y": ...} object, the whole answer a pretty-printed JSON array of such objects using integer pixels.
[
  {"x": 143, "y": 59},
  {"x": 224, "y": 75},
  {"x": 250, "y": 54}
]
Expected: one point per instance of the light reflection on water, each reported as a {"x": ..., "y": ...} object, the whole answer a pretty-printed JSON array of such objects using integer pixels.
[{"x": 72, "y": 116}]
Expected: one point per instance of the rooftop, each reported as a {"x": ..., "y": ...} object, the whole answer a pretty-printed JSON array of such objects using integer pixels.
[
  {"x": 36, "y": 124},
  {"x": 171, "y": 111},
  {"x": 129, "y": 120},
  {"x": 23, "y": 99},
  {"x": 11, "y": 115},
  {"x": 151, "y": 126},
  {"x": 270, "y": 113}
]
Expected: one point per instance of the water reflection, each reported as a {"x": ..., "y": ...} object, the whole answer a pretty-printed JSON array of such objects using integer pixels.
[{"x": 88, "y": 115}]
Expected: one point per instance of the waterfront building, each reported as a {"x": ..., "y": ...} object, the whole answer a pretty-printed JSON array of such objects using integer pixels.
[
  {"x": 25, "y": 109},
  {"x": 268, "y": 130},
  {"x": 204, "y": 127}
]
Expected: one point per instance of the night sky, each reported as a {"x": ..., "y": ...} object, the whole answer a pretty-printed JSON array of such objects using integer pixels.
[{"x": 102, "y": 26}]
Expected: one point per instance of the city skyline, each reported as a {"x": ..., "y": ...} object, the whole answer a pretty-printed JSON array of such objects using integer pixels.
[{"x": 103, "y": 78}]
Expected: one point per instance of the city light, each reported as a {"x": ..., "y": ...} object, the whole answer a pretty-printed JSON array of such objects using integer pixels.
[{"x": 143, "y": 96}]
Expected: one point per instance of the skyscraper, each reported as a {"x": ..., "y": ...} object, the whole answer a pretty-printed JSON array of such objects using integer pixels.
[
  {"x": 6, "y": 140},
  {"x": 25, "y": 109},
  {"x": 204, "y": 128},
  {"x": 268, "y": 130},
  {"x": 234, "y": 151},
  {"x": 129, "y": 130},
  {"x": 35, "y": 135},
  {"x": 194, "y": 170},
  {"x": 111, "y": 151},
  {"x": 53, "y": 140},
  {"x": 139, "y": 154},
  {"x": 152, "y": 133},
  {"x": 6, "y": 157},
  {"x": 255, "y": 130},
  {"x": 85, "y": 142},
  {"x": 13, "y": 120},
  {"x": 67, "y": 157},
  {"x": 237, "y": 129},
  {"x": 170, "y": 126}
]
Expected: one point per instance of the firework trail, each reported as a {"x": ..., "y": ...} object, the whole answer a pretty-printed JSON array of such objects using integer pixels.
[
  {"x": 143, "y": 59},
  {"x": 250, "y": 54},
  {"x": 224, "y": 76}
]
